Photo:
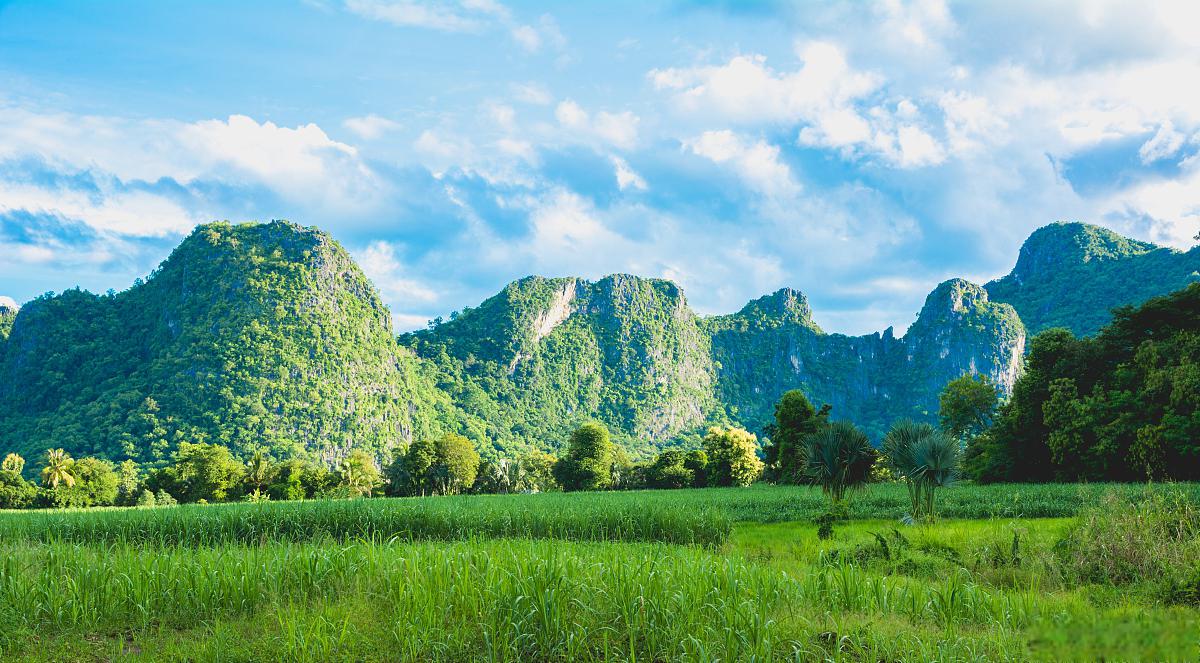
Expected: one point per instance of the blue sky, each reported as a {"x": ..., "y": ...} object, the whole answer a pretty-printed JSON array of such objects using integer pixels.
[{"x": 859, "y": 152}]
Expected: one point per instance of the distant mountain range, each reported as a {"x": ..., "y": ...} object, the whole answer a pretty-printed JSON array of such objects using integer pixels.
[{"x": 269, "y": 335}]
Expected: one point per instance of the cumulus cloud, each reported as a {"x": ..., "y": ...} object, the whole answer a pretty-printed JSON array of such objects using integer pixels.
[
  {"x": 834, "y": 105},
  {"x": 757, "y": 162}
]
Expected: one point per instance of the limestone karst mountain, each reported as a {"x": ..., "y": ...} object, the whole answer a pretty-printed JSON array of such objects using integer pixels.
[{"x": 269, "y": 335}]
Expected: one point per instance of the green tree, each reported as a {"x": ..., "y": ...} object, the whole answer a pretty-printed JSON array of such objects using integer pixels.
[
  {"x": 146, "y": 498},
  {"x": 58, "y": 469},
  {"x": 129, "y": 483},
  {"x": 537, "y": 469},
  {"x": 205, "y": 472},
  {"x": 732, "y": 457},
  {"x": 795, "y": 420},
  {"x": 95, "y": 484},
  {"x": 456, "y": 464},
  {"x": 670, "y": 471},
  {"x": 15, "y": 491},
  {"x": 838, "y": 458},
  {"x": 697, "y": 461},
  {"x": 259, "y": 472},
  {"x": 967, "y": 405},
  {"x": 358, "y": 474},
  {"x": 587, "y": 465},
  {"x": 12, "y": 463},
  {"x": 287, "y": 481}
]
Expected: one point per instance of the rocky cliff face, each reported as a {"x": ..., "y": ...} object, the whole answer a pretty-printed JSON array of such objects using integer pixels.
[
  {"x": 630, "y": 352},
  {"x": 626, "y": 350},
  {"x": 1072, "y": 274},
  {"x": 872, "y": 380}
]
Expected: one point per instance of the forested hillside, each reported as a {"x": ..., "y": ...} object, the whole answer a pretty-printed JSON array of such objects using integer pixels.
[
  {"x": 1123, "y": 405},
  {"x": 545, "y": 355},
  {"x": 250, "y": 335},
  {"x": 772, "y": 345},
  {"x": 269, "y": 336},
  {"x": 1073, "y": 274}
]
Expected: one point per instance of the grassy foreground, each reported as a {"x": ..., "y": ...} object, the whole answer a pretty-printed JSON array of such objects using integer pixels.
[{"x": 1100, "y": 586}]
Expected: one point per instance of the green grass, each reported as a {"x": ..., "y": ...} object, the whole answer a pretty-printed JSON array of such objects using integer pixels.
[
  {"x": 496, "y": 600},
  {"x": 595, "y": 577},
  {"x": 558, "y": 516},
  {"x": 680, "y": 516}
]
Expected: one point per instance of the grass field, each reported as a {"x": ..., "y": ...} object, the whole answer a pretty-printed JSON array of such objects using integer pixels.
[{"x": 697, "y": 575}]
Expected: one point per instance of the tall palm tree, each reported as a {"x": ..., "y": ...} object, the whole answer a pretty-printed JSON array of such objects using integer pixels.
[
  {"x": 838, "y": 458},
  {"x": 58, "y": 469}
]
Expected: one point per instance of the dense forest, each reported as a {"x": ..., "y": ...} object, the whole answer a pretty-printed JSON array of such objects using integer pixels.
[{"x": 1123, "y": 405}]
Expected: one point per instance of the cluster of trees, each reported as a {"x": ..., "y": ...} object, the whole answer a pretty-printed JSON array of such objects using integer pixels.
[
  {"x": 806, "y": 447},
  {"x": 446, "y": 465},
  {"x": 1122, "y": 405},
  {"x": 199, "y": 472}
]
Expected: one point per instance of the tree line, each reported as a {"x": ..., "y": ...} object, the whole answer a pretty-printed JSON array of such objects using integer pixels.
[{"x": 445, "y": 465}]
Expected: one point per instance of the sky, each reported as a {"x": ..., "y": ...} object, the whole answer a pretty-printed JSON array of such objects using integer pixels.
[{"x": 859, "y": 152}]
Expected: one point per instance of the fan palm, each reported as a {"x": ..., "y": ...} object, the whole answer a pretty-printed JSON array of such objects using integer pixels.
[
  {"x": 838, "y": 458},
  {"x": 58, "y": 469},
  {"x": 925, "y": 457}
]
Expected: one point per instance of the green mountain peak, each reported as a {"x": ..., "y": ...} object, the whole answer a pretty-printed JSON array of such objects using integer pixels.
[{"x": 1073, "y": 274}]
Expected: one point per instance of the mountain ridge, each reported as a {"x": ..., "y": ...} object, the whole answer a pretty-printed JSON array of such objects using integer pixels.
[{"x": 268, "y": 335}]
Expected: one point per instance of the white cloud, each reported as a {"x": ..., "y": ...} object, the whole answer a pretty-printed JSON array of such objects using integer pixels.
[
  {"x": 370, "y": 127},
  {"x": 9, "y": 302},
  {"x": 532, "y": 93},
  {"x": 1164, "y": 144},
  {"x": 825, "y": 97},
  {"x": 380, "y": 263},
  {"x": 503, "y": 115},
  {"x": 747, "y": 90},
  {"x": 132, "y": 213},
  {"x": 465, "y": 16},
  {"x": 618, "y": 129},
  {"x": 757, "y": 162},
  {"x": 627, "y": 178},
  {"x": 469, "y": 16},
  {"x": 125, "y": 160},
  {"x": 917, "y": 148},
  {"x": 527, "y": 36}
]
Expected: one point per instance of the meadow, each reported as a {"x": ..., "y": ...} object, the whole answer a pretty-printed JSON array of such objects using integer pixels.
[{"x": 1052, "y": 572}]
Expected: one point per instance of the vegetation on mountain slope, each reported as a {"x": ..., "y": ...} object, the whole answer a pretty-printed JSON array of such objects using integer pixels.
[
  {"x": 267, "y": 336},
  {"x": 1123, "y": 405},
  {"x": 255, "y": 335},
  {"x": 1073, "y": 274}
]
